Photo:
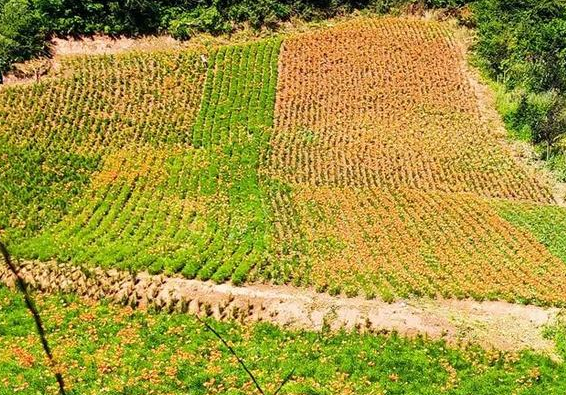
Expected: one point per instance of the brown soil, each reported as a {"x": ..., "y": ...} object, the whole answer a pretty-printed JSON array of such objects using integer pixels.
[
  {"x": 104, "y": 45},
  {"x": 498, "y": 325}
]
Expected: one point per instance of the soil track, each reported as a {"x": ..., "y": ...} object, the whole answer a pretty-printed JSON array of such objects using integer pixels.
[{"x": 499, "y": 325}]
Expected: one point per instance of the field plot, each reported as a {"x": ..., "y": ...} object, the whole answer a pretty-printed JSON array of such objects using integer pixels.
[
  {"x": 406, "y": 242},
  {"x": 353, "y": 159},
  {"x": 187, "y": 198},
  {"x": 55, "y": 134},
  {"x": 392, "y": 169},
  {"x": 105, "y": 348},
  {"x": 386, "y": 102}
]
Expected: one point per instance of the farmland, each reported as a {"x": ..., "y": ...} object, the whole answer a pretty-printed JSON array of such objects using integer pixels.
[
  {"x": 396, "y": 176},
  {"x": 179, "y": 191},
  {"x": 387, "y": 103},
  {"x": 106, "y": 348},
  {"x": 354, "y": 159}
]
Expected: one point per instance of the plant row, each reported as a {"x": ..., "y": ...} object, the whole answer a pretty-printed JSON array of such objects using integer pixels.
[
  {"x": 197, "y": 207},
  {"x": 388, "y": 103},
  {"x": 404, "y": 242}
]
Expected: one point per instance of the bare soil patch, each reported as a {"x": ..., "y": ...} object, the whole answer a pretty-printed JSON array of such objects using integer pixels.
[
  {"x": 498, "y": 325},
  {"x": 105, "y": 45}
]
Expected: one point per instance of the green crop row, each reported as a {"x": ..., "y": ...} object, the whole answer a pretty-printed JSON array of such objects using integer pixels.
[
  {"x": 197, "y": 207},
  {"x": 55, "y": 134}
]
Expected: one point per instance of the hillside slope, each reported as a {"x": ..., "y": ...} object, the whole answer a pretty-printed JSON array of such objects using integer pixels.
[{"x": 354, "y": 159}]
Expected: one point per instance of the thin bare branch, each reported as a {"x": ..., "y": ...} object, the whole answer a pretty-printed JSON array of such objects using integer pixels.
[
  {"x": 33, "y": 310},
  {"x": 233, "y": 353},
  {"x": 287, "y": 378}
]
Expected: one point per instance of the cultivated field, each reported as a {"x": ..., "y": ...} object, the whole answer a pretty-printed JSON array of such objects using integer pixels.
[
  {"x": 176, "y": 190},
  {"x": 353, "y": 159},
  {"x": 394, "y": 171},
  {"x": 104, "y": 348},
  {"x": 387, "y": 103}
]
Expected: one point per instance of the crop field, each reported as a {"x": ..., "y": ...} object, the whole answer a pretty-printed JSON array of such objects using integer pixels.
[
  {"x": 387, "y": 103},
  {"x": 188, "y": 198},
  {"x": 392, "y": 167},
  {"x": 354, "y": 159},
  {"x": 54, "y": 135},
  {"x": 409, "y": 242}
]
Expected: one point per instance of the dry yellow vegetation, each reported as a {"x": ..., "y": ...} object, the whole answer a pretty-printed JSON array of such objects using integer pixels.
[{"x": 393, "y": 169}]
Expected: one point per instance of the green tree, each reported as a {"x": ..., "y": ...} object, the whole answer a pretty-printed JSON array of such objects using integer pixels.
[
  {"x": 22, "y": 34},
  {"x": 523, "y": 42}
]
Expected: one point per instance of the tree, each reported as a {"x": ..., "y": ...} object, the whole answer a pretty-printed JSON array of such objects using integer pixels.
[
  {"x": 551, "y": 127},
  {"x": 22, "y": 33}
]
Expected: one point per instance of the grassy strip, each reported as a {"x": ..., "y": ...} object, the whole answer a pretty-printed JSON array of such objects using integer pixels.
[
  {"x": 546, "y": 223},
  {"x": 108, "y": 349}
]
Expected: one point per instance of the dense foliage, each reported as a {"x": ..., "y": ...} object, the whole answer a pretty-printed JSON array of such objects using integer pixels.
[
  {"x": 22, "y": 32},
  {"x": 522, "y": 44}
]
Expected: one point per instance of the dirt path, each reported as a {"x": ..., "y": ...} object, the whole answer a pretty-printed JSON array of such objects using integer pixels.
[{"x": 499, "y": 325}]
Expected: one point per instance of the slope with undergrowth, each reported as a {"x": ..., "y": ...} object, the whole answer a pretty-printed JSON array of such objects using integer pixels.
[{"x": 353, "y": 159}]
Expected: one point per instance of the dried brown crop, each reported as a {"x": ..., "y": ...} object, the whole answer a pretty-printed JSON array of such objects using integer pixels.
[{"x": 386, "y": 102}]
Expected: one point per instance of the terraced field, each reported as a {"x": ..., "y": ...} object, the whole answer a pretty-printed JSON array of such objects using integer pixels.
[
  {"x": 178, "y": 189},
  {"x": 353, "y": 159}
]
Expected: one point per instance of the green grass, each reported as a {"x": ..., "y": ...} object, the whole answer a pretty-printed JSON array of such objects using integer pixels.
[
  {"x": 196, "y": 205},
  {"x": 108, "y": 349},
  {"x": 546, "y": 223}
]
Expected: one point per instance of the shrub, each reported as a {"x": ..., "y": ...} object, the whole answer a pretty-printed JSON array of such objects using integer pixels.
[
  {"x": 22, "y": 34},
  {"x": 201, "y": 19}
]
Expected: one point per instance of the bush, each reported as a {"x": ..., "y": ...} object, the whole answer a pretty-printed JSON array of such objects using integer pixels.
[
  {"x": 259, "y": 13},
  {"x": 22, "y": 34},
  {"x": 202, "y": 19},
  {"x": 522, "y": 43}
]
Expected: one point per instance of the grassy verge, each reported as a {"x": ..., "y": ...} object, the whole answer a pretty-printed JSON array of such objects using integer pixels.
[
  {"x": 546, "y": 223},
  {"x": 510, "y": 107},
  {"x": 108, "y": 349}
]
